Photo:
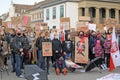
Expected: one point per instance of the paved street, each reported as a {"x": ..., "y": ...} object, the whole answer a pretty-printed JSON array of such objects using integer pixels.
[{"x": 77, "y": 75}]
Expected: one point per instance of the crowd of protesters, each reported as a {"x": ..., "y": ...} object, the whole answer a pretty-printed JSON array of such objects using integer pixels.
[{"x": 22, "y": 45}]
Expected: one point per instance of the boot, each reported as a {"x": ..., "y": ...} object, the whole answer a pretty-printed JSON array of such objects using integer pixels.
[
  {"x": 64, "y": 71},
  {"x": 57, "y": 71}
]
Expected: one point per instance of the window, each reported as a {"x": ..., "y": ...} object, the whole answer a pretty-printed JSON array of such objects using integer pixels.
[
  {"x": 47, "y": 14},
  {"x": 17, "y": 14},
  {"x": 23, "y": 11},
  {"x": 54, "y": 27},
  {"x": 54, "y": 13},
  {"x": 103, "y": 13},
  {"x": 93, "y": 12},
  {"x": 61, "y": 11},
  {"x": 112, "y": 13},
  {"x": 83, "y": 11}
]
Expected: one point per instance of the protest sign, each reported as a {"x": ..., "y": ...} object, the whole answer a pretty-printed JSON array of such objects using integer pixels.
[
  {"x": 39, "y": 26},
  {"x": 47, "y": 48},
  {"x": 21, "y": 21},
  {"x": 9, "y": 25},
  {"x": 111, "y": 22},
  {"x": 4, "y": 24},
  {"x": 81, "y": 50},
  {"x": 65, "y": 23},
  {"x": 92, "y": 27},
  {"x": 84, "y": 28}
]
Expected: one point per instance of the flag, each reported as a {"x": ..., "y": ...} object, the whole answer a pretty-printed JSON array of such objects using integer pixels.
[
  {"x": 63, "y": 36},
  {"x": 114, "y": 55}
]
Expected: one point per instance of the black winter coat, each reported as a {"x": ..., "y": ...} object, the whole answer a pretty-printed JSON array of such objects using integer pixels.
[
  {"x": 26, "y": 45},
  {"x": 67, "y": 46},
  {"x": 17, "y": 44},
  {"x": 39, "y": 43},
  {"x": 56, "y": 46}
]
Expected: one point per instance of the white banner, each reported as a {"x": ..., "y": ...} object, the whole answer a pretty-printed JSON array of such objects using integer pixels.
[{"x": 92, "y": 27}]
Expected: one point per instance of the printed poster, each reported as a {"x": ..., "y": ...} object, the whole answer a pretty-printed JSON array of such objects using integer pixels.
[
  {"x": 81, "y": 50},
  {"x": 47, "y": 48}
]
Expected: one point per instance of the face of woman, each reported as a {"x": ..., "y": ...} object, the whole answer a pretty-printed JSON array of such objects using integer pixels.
[{"x": 81, "y": 33}]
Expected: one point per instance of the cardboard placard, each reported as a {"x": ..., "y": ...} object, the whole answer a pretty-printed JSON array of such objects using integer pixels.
[
  {"x": 65, "y": 23},
  {"x": 40, "y": 26},
  {"x": 111, "y": 22},
  {"x": 100, "y": 27},
  {"x": 21, "y": 21},
  {"x": 16, "y": 20},
  {"x": 81, "y": 57},
  {"x": 47, "y": 48},
  {"x": 84, "y": 18},
  {"x": 4, "y": 24},
  {"x": 0, "y": 22},
  {"x": 92, "y": 27},
  {"x": 9, "y": 30},
  {"x": 84, "y": 28},
  {"x": 81, "y": 24}
]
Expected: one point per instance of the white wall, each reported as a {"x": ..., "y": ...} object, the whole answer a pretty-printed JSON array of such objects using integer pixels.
[
  {"x": 53, "y": 22},
  {"x": 70, "y": 10}
]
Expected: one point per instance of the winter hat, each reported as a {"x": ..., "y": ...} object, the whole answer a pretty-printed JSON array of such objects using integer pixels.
[
  {"x": 109, "y": 37},
  {"x": 98, "y": 43}
]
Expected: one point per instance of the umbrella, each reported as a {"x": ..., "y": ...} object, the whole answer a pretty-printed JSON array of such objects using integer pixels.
[
  {"x": 94, "y": 63},
  {"x": 33, "y": 72}
]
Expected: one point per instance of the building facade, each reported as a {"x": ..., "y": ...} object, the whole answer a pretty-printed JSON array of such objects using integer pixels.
[
  {"x": 36, "y": 13},
  {"x": 57, "y": 9},
  {"x": 100, "y": 10},
  {"x": 17, "y": 10}
]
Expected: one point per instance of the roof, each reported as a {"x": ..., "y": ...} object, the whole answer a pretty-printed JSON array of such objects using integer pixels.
[
  {"x": 110, "y": 0},
  {"x": 4, "y": 16},
  {"x": 47, "y": 3},
  {"x": 54, "y": 2},
  {"x": 20, "y": 7},
  {"x": 36, "y": 6}
]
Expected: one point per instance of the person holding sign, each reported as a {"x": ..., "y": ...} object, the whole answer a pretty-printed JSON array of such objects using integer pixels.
[{"x": 48, "y": 51}]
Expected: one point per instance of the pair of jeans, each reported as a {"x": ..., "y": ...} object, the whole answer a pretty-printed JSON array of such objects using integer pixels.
[
  {"x": 13, "y": 60},
  {"x": 60, "y": 64},
  {"x": 68, "y": 55},
  {"x": 47, "y": 59},
  {"x": 41, "y": 60},
  {"x": 107, "y": 60},
  {"x": 18, "y": 64}
]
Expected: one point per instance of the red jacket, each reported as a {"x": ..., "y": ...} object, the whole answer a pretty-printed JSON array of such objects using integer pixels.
[
  {"x": 107, "y": 47},
  {"x": 98, "y": 51}
]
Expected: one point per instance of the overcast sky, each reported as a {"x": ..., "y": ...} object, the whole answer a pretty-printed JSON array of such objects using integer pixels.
[{"x": 5, "y": 4}]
